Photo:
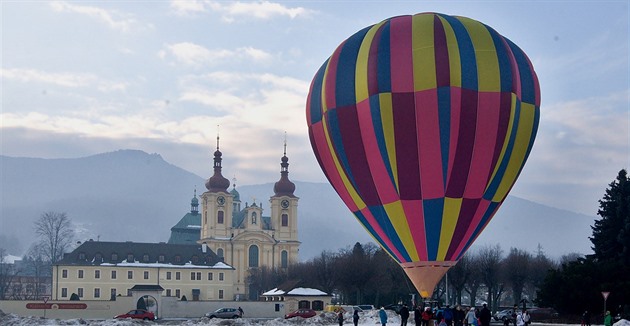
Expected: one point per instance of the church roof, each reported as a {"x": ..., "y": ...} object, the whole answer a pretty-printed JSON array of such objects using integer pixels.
[{"x": 238, "y": 220}]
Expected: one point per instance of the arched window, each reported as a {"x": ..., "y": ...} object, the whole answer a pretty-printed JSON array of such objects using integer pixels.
[
  {"x": 253, "y": 256},
  {"x": 284, "y": 259},
  {"x": 220, "y": 217},
  {"x": 254, "y": 215},
  {"x": 285, "y": 219},
  {"x": 220, "y": 252}
]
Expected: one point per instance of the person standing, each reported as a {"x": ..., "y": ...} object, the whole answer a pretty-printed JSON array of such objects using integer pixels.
[
  {"x": 382, "y": 314},
  {"x": 526, "y": 317},
  {"x": 340, "y": 318},
  {"x": 471, "y": 318},
  {"x": 519, "y": 320},
  {"x": 448, "y": 315},
  {"x": 240, "y": 312},
  {"x": 427, "y": 314},
  {"x": 355, "y": 317},
  {"x": 458, "y": 316},
  {"x": 417, "y": 315},
  {"x": 404, "y": 315},
  {"x": 485, "y": 315},
  {"x": 586, "y": 318},
  {"x": 608, "y": 319}
]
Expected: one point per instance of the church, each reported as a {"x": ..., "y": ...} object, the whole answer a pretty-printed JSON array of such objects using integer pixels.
[{"x": 242, "y": 236}]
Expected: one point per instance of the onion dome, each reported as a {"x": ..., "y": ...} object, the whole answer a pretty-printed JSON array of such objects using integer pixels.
[
  {"x": 234, "y": 192},
  {"x": 217, "y": 182},
  {"x": 284, "y": 186},
  {"x": 194, "y": 204}
]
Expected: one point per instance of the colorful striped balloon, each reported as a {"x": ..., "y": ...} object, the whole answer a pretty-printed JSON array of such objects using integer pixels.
[{"x": 422, "y": 124}]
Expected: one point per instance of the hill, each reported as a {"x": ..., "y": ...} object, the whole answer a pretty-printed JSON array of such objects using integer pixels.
[{"x": 133, "y": 195}]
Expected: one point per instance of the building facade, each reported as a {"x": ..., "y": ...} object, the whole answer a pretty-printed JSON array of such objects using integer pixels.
[
  {"x": 242, "y": 235},
  {"x": 105, "y": 270}
]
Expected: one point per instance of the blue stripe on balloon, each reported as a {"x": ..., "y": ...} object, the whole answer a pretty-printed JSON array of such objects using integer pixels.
[
  {"x": 433, "y": 212},
  {"x": 383, "y": 61},
  {"x": 444, "y": 116},
  {"x": 316, "y": 95},
  {"x": 345, "y": 93},
  {"x": 385, "y": 223},
  {"x": 505, "y": 69},
  {"x": 496, "y": 181},
  {"x": 468, "y": 59},
  {"x": 377, "y": 122},
  {"x": 528, "y": 87}
]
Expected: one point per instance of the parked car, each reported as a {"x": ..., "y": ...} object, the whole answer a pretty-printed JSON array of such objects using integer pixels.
[
  {"x": 394, "y": 306},
  {"x": 503, "y": 315},
  {"x": 224, "y": 313},
  {"x": 304, "y": 313},
  {"x": 365, "y": 307},
  {"x": 137, "y": 314},
  {"x": 542, "y": 314}
]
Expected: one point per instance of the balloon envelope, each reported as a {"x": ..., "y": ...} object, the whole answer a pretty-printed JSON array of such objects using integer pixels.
[{"x": 422, "y": 124}]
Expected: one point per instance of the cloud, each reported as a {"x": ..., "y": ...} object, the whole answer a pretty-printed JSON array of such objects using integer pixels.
[
  {"x": 113, "y": 19},
  {"x": 231, "y": 11},
  {"x": 63, "y": 79},
  {"x": 192, "y": 54}
]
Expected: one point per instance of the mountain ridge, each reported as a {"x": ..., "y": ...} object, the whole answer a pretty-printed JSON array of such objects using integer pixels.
[{"x": 133, "y": 195}]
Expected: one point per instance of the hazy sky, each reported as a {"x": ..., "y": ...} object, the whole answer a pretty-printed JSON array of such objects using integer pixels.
[{"x": 80, "y": 78}]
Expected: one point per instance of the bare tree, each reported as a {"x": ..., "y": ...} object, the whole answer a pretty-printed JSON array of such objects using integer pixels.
[
  {"x": 56, "y": 234},
  {"x": 458, "y": 276},
  {"x": 517, "y": 267},
  {"x": 475, "y": 278},
  {"x": 7, "y": 273},
  {"x": 490, "y": 263}
]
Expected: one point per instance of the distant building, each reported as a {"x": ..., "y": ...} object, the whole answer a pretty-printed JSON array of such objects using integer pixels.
[
  {"x": 188, "y": 229},
  {"x": 104, "y": 270},
  {"x": 244, "y": 237}
]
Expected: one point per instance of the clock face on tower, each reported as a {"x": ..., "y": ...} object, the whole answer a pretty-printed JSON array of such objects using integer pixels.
[
  {"x": 220, "y": 200},
  {"x": 284, "y": 203}
]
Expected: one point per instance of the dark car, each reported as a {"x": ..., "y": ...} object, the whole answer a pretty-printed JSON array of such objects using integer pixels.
[
  {"x": 394, "y": 306},
  {"x": 224, "y": 313},
  {"x": 137, "y": 314},
  {"x": 542, "y": 314},
  {"x": 304, "y": 313}
]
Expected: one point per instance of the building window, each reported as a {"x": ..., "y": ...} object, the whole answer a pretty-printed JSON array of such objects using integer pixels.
[
  {"x": 168, "y": 292},
  {"x": 80, "y": 292},
  {"x": 145, "y": 258},
  {"x": 220, "y": 294},
  {"x": 220, "y": 276},
  {"x": 195, "y": 294},
  {"x": 220, "y": 217},
  {"x": 209, "y": 276},
  {"x": 130, "y": 258},
  {"x": 177, "y": 293},
  {"x": 112, "y": 294},
  {"x": 161, "y": 258},
  {"x": 178, "y": 276},
  {"x": 195, "y": 259},
  {"x": 146, "y": 275},
  {"x": 128, "y": 292},
  {"x": 220, "y": 253},
  {"x": 97, "y": 293},
  {"x": 129, "y": 275},
  {"x": 304, "y": 304},
  {"x": 198, "y": 276},
  {"x": 113, "y": 275},
  {"x": 64, "y": 273},
  {"x": 97, "y": 274},
  {"x": 285, "y": 219},
  {"x": 253, "y": 256},
  {"x": 80, "y": 273},
  {"x": 81, "y": 256},
  {"x": 178, "y": 259},
  {"x": 98, "y": 258},
  {"x": 168, "y": 275},
  {"x": 284, "y": 259},
  {"x": 192, "y": 276},
  {"x": 114, "y": 257},
  {"x": 254, "y": 215},
  {"x": 64, "y": 292},
  {"x": 318, "y": 305}
]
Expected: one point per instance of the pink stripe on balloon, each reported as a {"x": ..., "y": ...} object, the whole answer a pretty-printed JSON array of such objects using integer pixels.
[
  {"x": 381, "y": 234},
  {"x": 481, "y": 210},
  {"x": 429, "y": 150},
  {"x": 329, "y": 166},
  {"x": 380, "y": 176},
  {"x": 456, "y": 107},
  {"x": 485, "y": 140},
  {"x": 372, "y": 71},
  {"x": 415, "y": 219},
  {"x": 330, "y": 80},
  {"x": 401, "y": 54}
]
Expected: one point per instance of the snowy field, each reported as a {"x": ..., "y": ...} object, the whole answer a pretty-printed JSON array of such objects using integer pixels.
[{"x": 368, "y": 318}]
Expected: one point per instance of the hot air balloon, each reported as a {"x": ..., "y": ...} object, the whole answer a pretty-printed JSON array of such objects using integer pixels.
[{"x": 422, "y": 125}]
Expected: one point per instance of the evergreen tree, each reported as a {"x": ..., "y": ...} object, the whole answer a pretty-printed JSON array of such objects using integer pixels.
[{"x": 611, "y": 234}]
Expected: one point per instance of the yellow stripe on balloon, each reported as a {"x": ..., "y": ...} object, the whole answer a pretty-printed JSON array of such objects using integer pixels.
[
  {"x": 519, "y": 150},
  {"x": 423, "y": 53},
  {"x": 387, "y": 122},
  {"x": 488, "y": 76},
  {"x": 361, "y": 72},
  {"x": 506, "y": 140},
  {"x": 344, "y": 178},
  {"x": 450, "y": 216},
  {"x": 397, "y": 217},
  {"x": 454, "y": 59}
]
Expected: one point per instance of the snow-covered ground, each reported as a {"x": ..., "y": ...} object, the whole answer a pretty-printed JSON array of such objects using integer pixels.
[{"x": 368, "y": 318}]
